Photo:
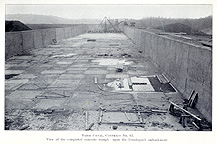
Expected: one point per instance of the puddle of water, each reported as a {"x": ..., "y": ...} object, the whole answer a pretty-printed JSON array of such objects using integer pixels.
[
  {"x": 112, "y": 62},
  {"x": 132, "y": 84}
]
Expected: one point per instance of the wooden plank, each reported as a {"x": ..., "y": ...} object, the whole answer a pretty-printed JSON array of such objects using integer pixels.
[
  {"x": 100, "y": 117},
  {"x": 185, "y": 110},
  {"x": 140, "y": 117},
  {"x": 127, "y": 116},
  {"x": 90, "y": 126},
  {"x": 136, "y": 111},
  {"x": 86, "y": 118}
]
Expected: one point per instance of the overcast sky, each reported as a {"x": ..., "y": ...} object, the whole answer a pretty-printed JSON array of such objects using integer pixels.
[{"x": 113, "y": 11}]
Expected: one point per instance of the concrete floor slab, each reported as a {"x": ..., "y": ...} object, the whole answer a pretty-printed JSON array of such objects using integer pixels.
[
  {"x": 18, "y": 68},
  {"x": 116, "y": 76},
  {"x": 117, "y": 104},
  {"x": 75, "y": 72},
  {"x": 26, "y": 76},
  {"x": 79, "y": 65},
  {"x": 117, "y": 117},
  {"x": 71, "y": 76},
  {"x": 64, "y": 63},
  {"x": 95, "y": 72},
  {"x": 76, "y": 103},
  {"x": 21, "y": 94},
  {"x": 50, "y": 103},
  {"x": 64, "y": 83},
  {"x": 74, "y": 68},
  {"x": 13, "y": 71},
  {"x": 29, "y": 87},
  {"x": 87, "y": 87},
  {"x": 52, "y": 71},
  {"x": 14, "y": 84},
  {"x": 11, "y": 104},
  {"x": 117, "y": 96},
  {"x": 63, "y": 77},
  {"x": 7, "y": 66},
  {"x": 13, "y": 62}
]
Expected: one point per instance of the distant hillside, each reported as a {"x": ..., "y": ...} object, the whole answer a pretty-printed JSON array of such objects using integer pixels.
[
  {"x": 178, "y": 27},
  {"x": 11, "y": 26},
  {"x": 47, "y": 26},
  {"x": 207, "y": 31},
  {"x": 200, "y": 24},
  {"x": 45, "y": 19}
]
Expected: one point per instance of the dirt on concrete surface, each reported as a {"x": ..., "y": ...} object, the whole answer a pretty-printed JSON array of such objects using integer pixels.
[{"x": 66, "y": 87}]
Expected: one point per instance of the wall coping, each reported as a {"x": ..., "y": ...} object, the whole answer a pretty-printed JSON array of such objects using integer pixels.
[{"x": 202, "y": 47}]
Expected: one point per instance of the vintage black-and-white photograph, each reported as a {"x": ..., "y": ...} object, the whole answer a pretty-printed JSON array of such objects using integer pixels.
[{"x": 94, "y": 67}]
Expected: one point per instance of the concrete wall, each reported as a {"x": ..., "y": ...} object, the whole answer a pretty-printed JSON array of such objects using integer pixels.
[
  {"x": 47, "y": 36},
  {"x": 28, "y": 41},
  {"x": 13, "y": 44},
  {"x": 187, "y": 66},
  {"x": 38, "y": 39},
  {"x": 93, "y": 27},
  {"x": 18, "y": 43}
]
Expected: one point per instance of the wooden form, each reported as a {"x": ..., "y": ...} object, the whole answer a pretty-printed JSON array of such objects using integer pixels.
[
  {"x": 125, "y": 113},
  {"x": 197, "y": 120}
]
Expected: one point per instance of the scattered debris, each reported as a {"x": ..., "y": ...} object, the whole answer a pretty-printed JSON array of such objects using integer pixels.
[
  {"x": 184, "y": 114},
  {"x": 120, "y": 67},
  {"x": 114, "y": 127},
  {"x": 91, "y": 40},
  {"x": 43, "y": 111},
  {"x": 54, "y": 41},
  {"x": 125, "y": 55},
  {"x": 127, "y": 116},
  {"x": 183, "y": 120},
  {"x": 205, "y": 43},
  {"x": 162, "y": 78},
  {"x": 9, "y": 76},
  {"x": 48, "y": 111},
  {"x": 100, "y": 117},
  {"x": 95, "y": 80},
  {"x": 24, "y": 127},
  {"x": 132, "y": 83},
  {"x": 139, "y": 83},
  {"x": 90, "y": 126},
  {"x": 192, "y": 99},
  {"x": 86, "y": 120},
  {"x": 134, "y": 117},
  {"x": 175, "y": 105},
  {"x": 161, "y": 125},
  {"x": 140, "y": 117},
  {"x": 158, "y": 111},
  {"x": 104, "y": 55},
  {"x": 110, "y": 61}
]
